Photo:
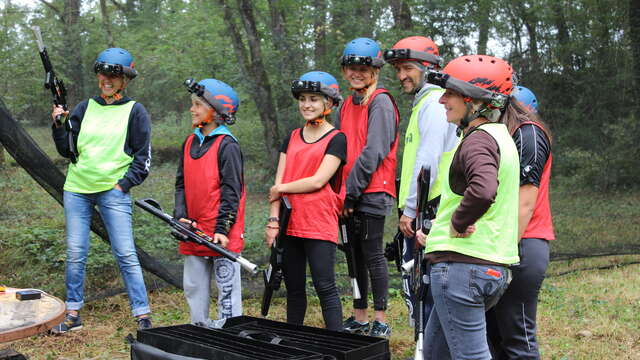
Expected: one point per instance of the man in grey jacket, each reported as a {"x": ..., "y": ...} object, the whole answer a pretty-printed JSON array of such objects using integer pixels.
[{"x": 428, "y": 138}]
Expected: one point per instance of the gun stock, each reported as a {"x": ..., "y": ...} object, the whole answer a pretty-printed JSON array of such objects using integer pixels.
[
  {"x": 273, "y": 274},
  {"x": 349, "y": 253},
  {"x": 185, "y": 232}
]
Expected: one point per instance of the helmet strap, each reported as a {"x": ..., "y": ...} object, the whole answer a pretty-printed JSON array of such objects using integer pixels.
[
  {"x": 492, "y": 115},
  {"x": 320, "y": 119}
]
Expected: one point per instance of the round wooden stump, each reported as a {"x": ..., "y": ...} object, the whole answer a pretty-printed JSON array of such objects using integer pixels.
[{"x": 20, "y": 319}]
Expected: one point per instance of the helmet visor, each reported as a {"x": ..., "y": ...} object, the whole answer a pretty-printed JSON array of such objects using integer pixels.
[
  {"x": 391, "y": 55},
  {"x": 494, "y": 99}
]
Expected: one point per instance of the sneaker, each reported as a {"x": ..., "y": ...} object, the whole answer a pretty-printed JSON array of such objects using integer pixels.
[
  {"x": 380, "y": 329},
  {"x": 353, "y": 326},
  {"x": 144, "y": 323},
  {"x": 70, "y": 323}
]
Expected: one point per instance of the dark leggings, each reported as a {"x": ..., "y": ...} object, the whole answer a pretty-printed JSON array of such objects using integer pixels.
[
  {"x": 322, "y": 260},
  {"x": 370, "y": 260},
  {"x": 511, "y": 324}
]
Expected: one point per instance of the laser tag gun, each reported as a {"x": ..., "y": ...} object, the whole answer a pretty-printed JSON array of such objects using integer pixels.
[
  {"x": 59, "y": 92},
  {"x": 349, "y": 251},
  {"x": 186, "y": 232},
  {"x": 395, "y": 251},
  {"x": 273, "y": 274},
  {"x": 425, "y": 213}
]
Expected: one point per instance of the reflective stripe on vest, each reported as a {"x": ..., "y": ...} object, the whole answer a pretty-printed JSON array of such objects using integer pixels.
[
  {"x": 409, "y": 154},
  {"x": 202, "y": 197},
  {"x": 102, "y": 160},
  {"x": 495, "y": 238},
  {"x": 314, "y": 215}
]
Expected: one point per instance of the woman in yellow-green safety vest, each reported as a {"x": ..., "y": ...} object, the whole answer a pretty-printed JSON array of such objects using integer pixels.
[{"x": 474, "y": 237}]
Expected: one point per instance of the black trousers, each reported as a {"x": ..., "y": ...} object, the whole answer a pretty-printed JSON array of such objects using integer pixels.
[
  {"x": 322, "y": 261},
  {"x": 370, "y": 260},
  {"x": 511, "y": 324}
]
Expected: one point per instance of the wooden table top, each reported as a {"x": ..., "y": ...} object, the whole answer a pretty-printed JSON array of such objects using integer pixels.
[{"x": 20, "y": 319}]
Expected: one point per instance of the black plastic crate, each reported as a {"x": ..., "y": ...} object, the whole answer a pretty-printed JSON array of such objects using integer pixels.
[
  {"x": 342, "y": 346},
  {"x": 195, "y": 341}
]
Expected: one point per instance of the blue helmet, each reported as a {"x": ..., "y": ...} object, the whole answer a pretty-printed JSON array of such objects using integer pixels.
[
  {"x": 115, "y": 61},
  {"x": 362, "y": 51},
  {"x": 526, "y": 97},
  {"x": 317, "y": 82},
  {"x": 222, "y": 98}
]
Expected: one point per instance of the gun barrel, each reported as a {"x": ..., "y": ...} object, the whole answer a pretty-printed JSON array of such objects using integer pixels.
[
  {"x": 36, "y": 31},
  {"x": 247, "y": 265}
]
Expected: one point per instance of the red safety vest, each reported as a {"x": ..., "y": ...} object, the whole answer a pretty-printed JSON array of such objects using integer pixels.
[
  {"x": 202, "y": 195},
  {"x": 314, "y": 215},
  {"x": 354, "y": 122},
  {"x": 541, "y": 225}
]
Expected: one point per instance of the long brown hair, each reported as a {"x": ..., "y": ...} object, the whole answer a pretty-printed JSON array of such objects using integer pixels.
[{"x": 515, "y": 114}]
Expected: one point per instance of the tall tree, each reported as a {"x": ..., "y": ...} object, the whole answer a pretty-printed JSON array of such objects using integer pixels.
[
  {"x": 253, "y": 69},
  {"x": 634, "y": 39},
  {"x": 106, "y": 23},
  {"x": 401, "y": 15}
]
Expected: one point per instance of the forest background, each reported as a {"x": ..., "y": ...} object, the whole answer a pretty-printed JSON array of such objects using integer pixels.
[{"x": 580, "y": 57}]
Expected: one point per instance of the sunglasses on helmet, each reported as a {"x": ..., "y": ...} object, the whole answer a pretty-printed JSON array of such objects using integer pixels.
[
  {"x": 356, "y": 60},
  {"x": 108, "y": 69}
]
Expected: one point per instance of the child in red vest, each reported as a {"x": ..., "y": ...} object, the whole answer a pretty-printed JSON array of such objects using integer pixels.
[
  {"x": 369, "y": 118},
  {"x": 310, "y": 159},
  {"x": 210, "y": 195}
]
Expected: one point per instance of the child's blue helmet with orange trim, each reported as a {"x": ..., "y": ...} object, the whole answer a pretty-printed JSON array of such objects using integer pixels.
[{"x": 220, "y": 96}]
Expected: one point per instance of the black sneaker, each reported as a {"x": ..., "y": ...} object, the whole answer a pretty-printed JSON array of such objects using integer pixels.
[
  {"x": 144, "y": 323},
  {"x": 353, "y": 326},
  {"x": 70, "y": 323},
  {"x": 380, "y": 329}
]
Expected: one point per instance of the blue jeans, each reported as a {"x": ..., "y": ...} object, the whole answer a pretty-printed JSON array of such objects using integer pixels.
[
  {"x": 462, "y": 293},
  {"x": 115, "y": 209}
]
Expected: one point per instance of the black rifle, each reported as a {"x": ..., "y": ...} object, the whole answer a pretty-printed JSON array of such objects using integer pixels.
[
  {"x": 273, "y": 274},
  {"x": 186, "y": 232},
  {"x": 59, "y": 92},
  {"x": 425, "y": 213},
  {"x": 349, "y": 251},
  {"x": 395, "y": 251}
]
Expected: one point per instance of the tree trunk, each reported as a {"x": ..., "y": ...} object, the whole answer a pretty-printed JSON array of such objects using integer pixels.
[
  {"x": 363, "y": 16},
  {"x": 483, "y": 36},
  {"x": 401, "y": 15},
  {"x": 484, "y": 25},
  {"x": 73, "y": 48},
  {"x": 320, "y": 32},
  {"x": 634, "y": 37},
  {"x": 106, "y": 23},
  {"x": 254, "y": 70},
  {"x": 283, "y": 46}
]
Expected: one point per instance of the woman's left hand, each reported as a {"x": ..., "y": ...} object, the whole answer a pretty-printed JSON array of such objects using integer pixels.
[
  {"x": 468, "y": 231},
  {"x": 274, "y": 193},
  {"x": 117, "y": 187}
]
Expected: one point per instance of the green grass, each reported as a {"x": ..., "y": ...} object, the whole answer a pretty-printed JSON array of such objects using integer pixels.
[{"x": 32, "y": 252}]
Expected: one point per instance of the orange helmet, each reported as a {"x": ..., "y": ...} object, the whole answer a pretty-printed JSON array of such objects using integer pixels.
[
  {"x": 479, "y": 77},
  {"x": 415, "y": 48}
]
